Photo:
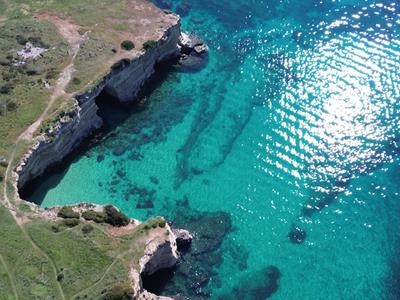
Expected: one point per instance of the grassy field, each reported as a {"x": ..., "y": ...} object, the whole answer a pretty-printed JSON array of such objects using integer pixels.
[{"x": 38, "y": 261}]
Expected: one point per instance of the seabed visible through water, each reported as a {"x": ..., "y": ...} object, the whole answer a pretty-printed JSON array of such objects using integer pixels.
[{"x": 282, "y": 155}]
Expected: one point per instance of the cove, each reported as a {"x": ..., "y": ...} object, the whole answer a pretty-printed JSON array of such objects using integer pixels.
[{"x": 282, "y": 154}]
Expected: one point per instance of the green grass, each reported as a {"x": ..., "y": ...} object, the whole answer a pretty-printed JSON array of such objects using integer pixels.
[
  {"x": 26, "y": 91},
  {"x": 89, "y": 262}
]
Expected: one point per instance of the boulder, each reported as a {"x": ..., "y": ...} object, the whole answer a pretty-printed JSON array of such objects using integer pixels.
[
  {"x": 297, "y": 235},
  {"x": 183, "y": 238}
]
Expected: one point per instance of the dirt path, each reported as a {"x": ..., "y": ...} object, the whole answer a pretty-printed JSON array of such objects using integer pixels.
[{"x": 70, "y": 33}]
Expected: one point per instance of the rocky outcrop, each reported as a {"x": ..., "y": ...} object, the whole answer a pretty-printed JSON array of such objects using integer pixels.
[
  {"x": 194, "y": 53},
  {"x": 183, "y": 238},
  {"x": 124, "y": 82},
  {"x": 161, "y": 252}
]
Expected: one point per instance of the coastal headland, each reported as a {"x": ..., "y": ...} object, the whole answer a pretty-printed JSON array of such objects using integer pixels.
[{"x": 55, "y": 59}]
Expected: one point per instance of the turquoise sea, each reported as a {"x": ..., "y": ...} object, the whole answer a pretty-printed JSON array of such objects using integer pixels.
[{"x": 292, "y": 127}]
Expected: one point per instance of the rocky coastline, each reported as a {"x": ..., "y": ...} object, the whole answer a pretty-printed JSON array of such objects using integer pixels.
[{"x": 124, "y": 82}]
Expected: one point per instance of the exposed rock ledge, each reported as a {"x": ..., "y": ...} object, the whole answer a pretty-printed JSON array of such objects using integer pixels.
[{"x": 123, "y": 82}]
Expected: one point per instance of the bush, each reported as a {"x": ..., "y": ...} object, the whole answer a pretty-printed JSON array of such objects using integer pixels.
[
  {"x": 55, "y": 228},
  {"x": 162, "y": 223},
  {"x": 71, "y": 222},
  {"x": 91, "y": 215},
  {"x": 51, "y": 73},
  {"x": 127, "y": 45},
  {"x": 21, "y": 40},
  {"x": 6, "y": 89},
  {"x": 11, "y": 105},
  {"x": 119, "y": 292},
  {"x": 87, "y": 228},
  {"x": 67, "y": 213},
  {"x": 121, "y": 64},
  {"x": 115, "y": 217},
  {"x": 76, "y": 81},
  {"x": 149, "y": 44}
]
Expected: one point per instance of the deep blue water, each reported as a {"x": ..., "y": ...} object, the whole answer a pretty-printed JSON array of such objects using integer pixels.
[{"x": 293, "y": 126}]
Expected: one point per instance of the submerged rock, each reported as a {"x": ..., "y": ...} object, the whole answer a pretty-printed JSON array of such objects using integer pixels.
[
  {"x": 145, "y": 204},
  {"x": 257, "y": 285},
  {"x": 297, "y": 235},
  {"x": 183, "y": 8},
  {"x": 193, "y": 53},
  {"x": 183, "y": 238},
  {"x": 164, "y": 4},
  {"x": 194, "y": 276},
  {"x": 100, "y": 157},
  {"x": 118, "y": 151}
]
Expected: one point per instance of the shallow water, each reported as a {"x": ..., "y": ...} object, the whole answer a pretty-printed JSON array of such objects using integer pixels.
[{"x": 293, "y": 123}]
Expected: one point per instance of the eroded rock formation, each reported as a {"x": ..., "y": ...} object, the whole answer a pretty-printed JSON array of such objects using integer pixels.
[{"x": 123, "y": 82}]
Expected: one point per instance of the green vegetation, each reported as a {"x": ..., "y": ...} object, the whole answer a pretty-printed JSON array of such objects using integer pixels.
[
  {"x": 96, "y": 216},
  {"x": 71, "y": 222},
  {"x": 22, "y": 91},
  {"x": 66, "y": 212},
  {"x": 115, "y": 217},
  {"x": 127, "y": 45},
  {"x": 149, "y": 44},
  {"x": 87, "y": 228},
  {"x": 119, "y": 292},
  {"x": 81, "y": 262}
]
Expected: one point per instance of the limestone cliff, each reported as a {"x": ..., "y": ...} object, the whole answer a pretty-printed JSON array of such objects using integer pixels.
[
  {"x": 123, "y": 82},
  {"x": 161, "y": 252}
]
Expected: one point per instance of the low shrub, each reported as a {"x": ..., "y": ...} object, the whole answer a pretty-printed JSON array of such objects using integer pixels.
[
  {"x": 71, "y": 222},
  {"x": 11, "y": 105},
  {"x": 127, "y": 45},
  {"x": 67, "y": 213},
  {"x": 162, "y": 223},
  {"x": 115, "y": 217},
  {"x": 119, "y": 292},
  {"x": 96, "y": 216},
  {"x": 87, "y": 228},
  {"x": 55, "y": 227},
  {"x": 6, "y": 88},
  {"x": 21, "y": 40},
  {"x": 76, "y": 81},
  {"x": 149, "y": 44}
]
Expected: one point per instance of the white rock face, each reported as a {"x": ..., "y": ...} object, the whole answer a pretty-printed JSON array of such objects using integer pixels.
[
  {"x": 123, "y": 84},
  {"x": 160, "y": 253},
  {"x": 126, "y": 85}
]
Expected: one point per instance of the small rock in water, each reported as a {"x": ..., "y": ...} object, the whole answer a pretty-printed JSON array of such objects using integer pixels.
[
  {"x": 297, "y": 235},
  {"x": 114, "y": 182},
  {"x": 145, "y": 204},
  {"x": 135, "y": 156},
  {"x": 121, "y": 173},
  {"x": 119, "y": 151},
  {"x": 100, "y": 157},
  {"x": 154, "y": 180},
  {"x": 183, "y": 238}
]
